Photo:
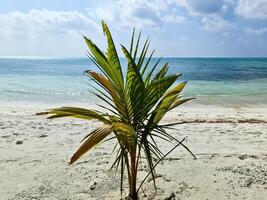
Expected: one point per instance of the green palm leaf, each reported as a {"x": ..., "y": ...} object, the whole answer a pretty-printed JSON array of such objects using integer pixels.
[
  {"x": 135, "y": 86},
  {"x": 166, "y": 102},
  {"x": 112, "y": 55}
]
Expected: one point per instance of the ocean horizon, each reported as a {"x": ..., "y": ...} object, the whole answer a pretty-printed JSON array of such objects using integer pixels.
[{"x": 221, "y": 81}]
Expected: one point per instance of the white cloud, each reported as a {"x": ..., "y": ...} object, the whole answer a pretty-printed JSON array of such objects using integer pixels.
[
  {"x": 172, "y": 18},
  {"x": 155, "y": 13},
  {"x": 44, "y": 33},
  {"x": 257, "y": 30},
  {"x": 211, "y": 12},
  {"x": 39, "y": 22},
  {"x": 256, "y": 9},
  {"x": 204, "y": 6},
  {"x": 225, "y": 8},
  {"x": 141, "y": 13},
  {"x": 215, "y": 24}
]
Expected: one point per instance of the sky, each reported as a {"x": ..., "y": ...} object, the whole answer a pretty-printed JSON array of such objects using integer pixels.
[{"x": 176, "y": 28}]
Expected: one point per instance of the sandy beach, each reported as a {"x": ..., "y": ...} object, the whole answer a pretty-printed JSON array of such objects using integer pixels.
[
  {"x": 179, "y": 85},
  {"x": 230, "y": 145}
]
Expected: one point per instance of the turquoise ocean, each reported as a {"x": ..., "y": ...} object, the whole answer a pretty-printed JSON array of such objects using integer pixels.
[{"x": 219, "y": 81}]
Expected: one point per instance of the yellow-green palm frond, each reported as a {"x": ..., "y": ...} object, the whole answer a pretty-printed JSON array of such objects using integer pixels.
[
  {"x": 95, "y": 138},
  {"x": 75, "y": 112}
]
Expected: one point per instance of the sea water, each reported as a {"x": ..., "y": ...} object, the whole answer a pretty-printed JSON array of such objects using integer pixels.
[{"x": 221, "y": 81}]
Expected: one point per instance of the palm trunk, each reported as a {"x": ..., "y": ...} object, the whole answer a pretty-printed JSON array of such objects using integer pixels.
[{"x": 133, "y": 192}]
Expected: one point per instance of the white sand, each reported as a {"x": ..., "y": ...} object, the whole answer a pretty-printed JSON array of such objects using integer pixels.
[{"x": 230, "y": 144}]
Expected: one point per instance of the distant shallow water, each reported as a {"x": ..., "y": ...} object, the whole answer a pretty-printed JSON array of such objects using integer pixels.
[{"x": 219, "y": 81}]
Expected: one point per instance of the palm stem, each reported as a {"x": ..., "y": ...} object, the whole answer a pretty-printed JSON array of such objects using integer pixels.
[{"x": 133, "y": 191}]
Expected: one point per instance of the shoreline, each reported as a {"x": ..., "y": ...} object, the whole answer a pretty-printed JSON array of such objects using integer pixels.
[{"x": 198, "y": 102}]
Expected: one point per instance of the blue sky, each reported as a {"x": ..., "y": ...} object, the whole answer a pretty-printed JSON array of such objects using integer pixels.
[{"x": 177, "y": 28}]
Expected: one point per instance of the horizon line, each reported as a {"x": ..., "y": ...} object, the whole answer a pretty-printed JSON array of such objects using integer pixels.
[{"x": 163, "y": 57}]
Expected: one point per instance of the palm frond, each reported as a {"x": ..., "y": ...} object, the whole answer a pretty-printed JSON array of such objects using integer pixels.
[
  {"x": 112, "y": 56},
  {"x": 93, "y": 139},
  {"x": 75, "y": 112}
]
